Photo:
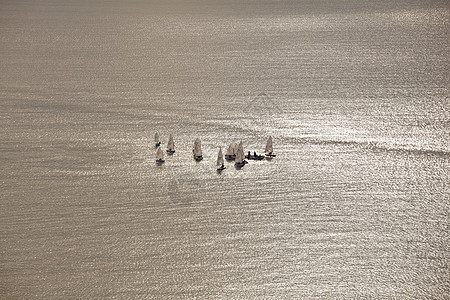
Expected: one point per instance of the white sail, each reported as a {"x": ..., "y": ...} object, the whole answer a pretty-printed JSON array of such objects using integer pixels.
[
  {"x": 197, "y": 148},
  {"x": 235, "y": 148},
  {"x": 240, "y": 154},
  {"x": 170, "y": 144},
  {"x": 159, "y": 154},
  {"x": 230, "y": 150},
  {"x": 156, "y": 138},
  {"x": 195, "y": 145},
  {"x": 220, "y": 158},
  {"x": 269, "y": 147}
]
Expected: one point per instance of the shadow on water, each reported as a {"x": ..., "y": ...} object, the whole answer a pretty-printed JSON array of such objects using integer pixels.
[
  {"x": 219, "y": 171},
  {"x": 183, "y": 189}
]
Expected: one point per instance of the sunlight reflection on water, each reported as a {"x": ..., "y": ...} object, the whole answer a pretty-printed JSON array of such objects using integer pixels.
[{"x": 354, "y": 205}]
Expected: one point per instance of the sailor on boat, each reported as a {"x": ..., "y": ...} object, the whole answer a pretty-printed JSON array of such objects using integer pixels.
[{"x": 255, "y": 156}]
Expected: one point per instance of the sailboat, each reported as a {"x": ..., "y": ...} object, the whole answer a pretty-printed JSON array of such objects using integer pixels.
[
  {"x": 230, "y": 153},
  {"x": 157, "y": 141},
  {"x": 197, "y": 150},
  {"x": 239, "y": 160},
  {"x": 220, "y": 161},
  {"x": 254, "y": 156},
  {"x": 235, "y": 149},
  {"x": 159, "y": 156},
  {"x": 269, "y": 148},
  {"x": 170, "y": 146}
]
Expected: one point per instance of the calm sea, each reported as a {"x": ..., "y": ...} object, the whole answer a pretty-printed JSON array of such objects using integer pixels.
[{"x": 354, "y": 94}]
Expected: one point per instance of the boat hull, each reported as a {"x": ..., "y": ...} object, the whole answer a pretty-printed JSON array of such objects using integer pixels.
[
  {"x": 159, "y": 161},
  {"x": 170, "y": 151},
  {"x": 239, "y": 165},
  {"x": 198, "y": 158},
  {"x": 252, "y": 157}
]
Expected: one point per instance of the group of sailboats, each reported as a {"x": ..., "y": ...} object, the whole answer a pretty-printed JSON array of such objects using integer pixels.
[
  {"x": 159, "y": 153},
  {"x": 234, "y": 152}
]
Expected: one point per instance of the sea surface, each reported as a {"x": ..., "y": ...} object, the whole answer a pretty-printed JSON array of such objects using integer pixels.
[{"x": 355, "y": 94}]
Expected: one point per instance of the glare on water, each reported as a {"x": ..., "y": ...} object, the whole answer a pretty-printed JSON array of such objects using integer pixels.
[{"x": 354, "y": 94}]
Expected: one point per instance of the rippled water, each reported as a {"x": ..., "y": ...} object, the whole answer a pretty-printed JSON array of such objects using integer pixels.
[{"x": 354, "y": 94}]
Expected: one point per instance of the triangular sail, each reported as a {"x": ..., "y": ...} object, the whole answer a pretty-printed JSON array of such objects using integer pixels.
[
  {"x": 198, "y": 148},
  {"x": 159, "y": 154},
  {"x": 240, "y": 154},
  {"x": 269, "y": 146},
  {"x": 170, "y": 144},
  {"x": 220, "y": 158},
  {"x": 235, "y": 148},
  {"x": 230, "y": 150},
  {"x": 156, "y": 138}
]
